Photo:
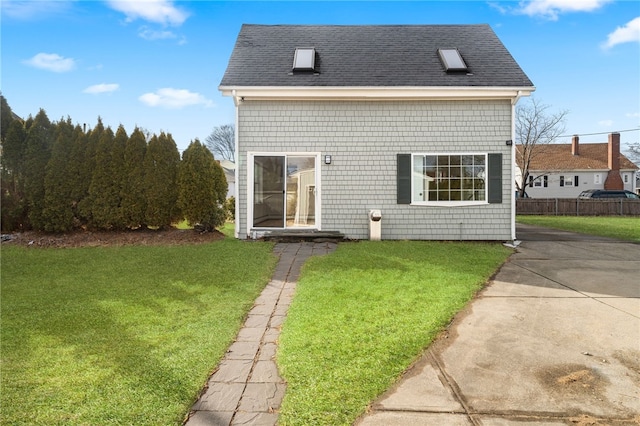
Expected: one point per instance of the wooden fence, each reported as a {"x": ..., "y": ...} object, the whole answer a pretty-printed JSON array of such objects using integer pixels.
[{"x": 578, "y": 207}]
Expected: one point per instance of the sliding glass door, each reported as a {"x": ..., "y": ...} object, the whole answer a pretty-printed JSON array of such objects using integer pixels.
[{"x": 284, "y": 191}]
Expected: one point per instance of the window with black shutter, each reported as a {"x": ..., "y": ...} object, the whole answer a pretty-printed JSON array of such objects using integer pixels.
[{"x": 449, "y": 179}]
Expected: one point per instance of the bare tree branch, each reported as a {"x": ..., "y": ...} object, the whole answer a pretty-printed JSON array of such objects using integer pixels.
[
  {"x": 222, "y": 143},
  {"x": 633, "y": 153},
  {"x": 535, "y": 126}
]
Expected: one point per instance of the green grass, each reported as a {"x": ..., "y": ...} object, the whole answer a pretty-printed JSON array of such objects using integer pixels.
[
  {"x": 120, "y": 336},
  {"x": 182, "y": 225},
  {"x": 227, "y": 229},
  {"x": 361, "y": 315},
  {"x": 622, "y": 228}
]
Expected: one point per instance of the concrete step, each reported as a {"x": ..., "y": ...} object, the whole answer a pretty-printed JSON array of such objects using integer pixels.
[{"x": 293, "y": 236}]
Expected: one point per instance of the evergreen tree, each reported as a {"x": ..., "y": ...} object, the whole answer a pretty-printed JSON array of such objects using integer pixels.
[
  {"x": 37, "y": 153},
  {"x": 85, "y": 205},
  {"x": 107, "y": 180},
  {"x": 78, "y": 176},
  {"x": 13, "y": 203},
  {"x": 198, "y": 187},
  {"x": 133, "y": 194},
  {"x": 13, "y": 155},
  {"x": 118, "y": 176},
  {"x": 58, "y": 212},
  {"x": 161, "y": 169},
  {"x": 6, "y": 117}
]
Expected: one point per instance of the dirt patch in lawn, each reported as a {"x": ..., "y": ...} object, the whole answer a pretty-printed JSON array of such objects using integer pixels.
[{"x": 140, "y": 237}]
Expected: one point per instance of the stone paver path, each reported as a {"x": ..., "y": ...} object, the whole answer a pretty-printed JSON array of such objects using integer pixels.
[{"x": 247, "y": 388}]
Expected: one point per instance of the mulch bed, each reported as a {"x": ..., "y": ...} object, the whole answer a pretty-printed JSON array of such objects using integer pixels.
[{"x": 142, "y": 237}]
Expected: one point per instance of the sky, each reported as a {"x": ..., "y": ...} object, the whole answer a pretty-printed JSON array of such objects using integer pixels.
[{"x": 157, "y": 64}]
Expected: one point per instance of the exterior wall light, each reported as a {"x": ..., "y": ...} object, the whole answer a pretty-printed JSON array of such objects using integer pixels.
[{"x": 327, "y": 159}]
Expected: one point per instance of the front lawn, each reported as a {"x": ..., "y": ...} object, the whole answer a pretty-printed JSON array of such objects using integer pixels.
[
  {"x": 622, "y": 228},
  {"x": 362, "y": 314},
  {"x": 120, "y": 335},
  {"x": 129, "y": 335}
]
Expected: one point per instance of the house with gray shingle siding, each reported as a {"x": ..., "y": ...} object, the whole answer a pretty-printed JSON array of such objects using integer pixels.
[
  {"x": 335, "y": 121},
  {"x": 565, "y": 170}
]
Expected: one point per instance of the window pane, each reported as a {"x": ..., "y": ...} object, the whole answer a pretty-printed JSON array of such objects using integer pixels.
[
  {"x": 448, "y": 178},
  {"x": 268, "y": 192},
  {"x": 301, "y": 191}
]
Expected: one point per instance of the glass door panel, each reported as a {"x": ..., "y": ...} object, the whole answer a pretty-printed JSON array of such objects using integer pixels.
[
  {"x": 301, "y": 191},
  {"x": 268, "y": 191}
]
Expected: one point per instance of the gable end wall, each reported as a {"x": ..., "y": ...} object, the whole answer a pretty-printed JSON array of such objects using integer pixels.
[{"x": 364, "y": 138}]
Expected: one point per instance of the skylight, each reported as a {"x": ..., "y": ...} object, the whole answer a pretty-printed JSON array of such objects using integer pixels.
[
  {"x": 304, "y": 59},
  {"x": 452, "y": 60}
]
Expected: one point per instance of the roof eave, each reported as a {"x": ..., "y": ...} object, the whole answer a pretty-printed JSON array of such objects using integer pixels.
[{"x": 240, "y": 93}]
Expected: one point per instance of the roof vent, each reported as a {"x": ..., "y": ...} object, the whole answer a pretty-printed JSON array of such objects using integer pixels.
[
  {"x": 452, "y": 60},
  {"x": 304, "y": 59}
]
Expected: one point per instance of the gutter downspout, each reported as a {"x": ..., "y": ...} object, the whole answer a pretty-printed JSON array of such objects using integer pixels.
[
  {"x": 236, "y": 173},
  {"x": 514, "y": 101},
  {"x": 513, "y": 165}
]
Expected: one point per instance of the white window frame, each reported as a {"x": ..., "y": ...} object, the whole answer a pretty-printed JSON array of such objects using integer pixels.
[
  {"x": 541, "y": 181},
  {"x": 570, "y": 180},
  {"x": 449, "y": 203}
]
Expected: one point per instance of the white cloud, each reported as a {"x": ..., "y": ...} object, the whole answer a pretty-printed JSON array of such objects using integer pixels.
[
  {"x": 630, "y": 32},
  {"x": 605, "y": 123},
  {"x": 97, "y": 89},
  {"x": 29, "y": 9},
  {"x": 158, "y": 11},
  {"x": 632, "y": 114},
  {"x": 174, "y": 98},
  {"x": 149, "y": 34},
  {"x": 550, "y": 9},
  {"x": 51, "y": 62}
]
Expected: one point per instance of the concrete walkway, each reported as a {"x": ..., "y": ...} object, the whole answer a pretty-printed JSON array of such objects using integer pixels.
[
  {"x": 246, "y": 389},
  {"x": 554, "y": 339}
]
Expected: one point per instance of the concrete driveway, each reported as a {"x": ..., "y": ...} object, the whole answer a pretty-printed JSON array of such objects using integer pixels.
[{"x": 553, "y": 340}]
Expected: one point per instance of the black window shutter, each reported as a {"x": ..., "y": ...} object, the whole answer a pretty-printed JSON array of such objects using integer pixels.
[
  {"x": 404, "y": 178},
  {"x": 495, "y": 178},
  {"x": 576, "y": 181},
  {"x": 561, "y": 180}
]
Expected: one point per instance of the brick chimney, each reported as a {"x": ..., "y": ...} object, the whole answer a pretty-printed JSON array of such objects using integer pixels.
[
  {"x": 574, "y": 145},
  {"x": 614, "y": 181}
]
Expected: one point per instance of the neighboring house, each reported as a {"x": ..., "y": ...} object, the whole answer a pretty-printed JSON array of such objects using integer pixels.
[
  {"x": 334, "y": 121},
  {"x": 565, "y": 170},
  {"x": 229, "y": 168}
]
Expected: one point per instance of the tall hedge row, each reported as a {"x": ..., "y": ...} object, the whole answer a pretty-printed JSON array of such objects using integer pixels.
[{"x": 57, "y": 177}]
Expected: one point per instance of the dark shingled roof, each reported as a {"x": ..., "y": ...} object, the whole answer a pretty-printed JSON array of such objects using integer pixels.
[{"x": 376, "y": 56}]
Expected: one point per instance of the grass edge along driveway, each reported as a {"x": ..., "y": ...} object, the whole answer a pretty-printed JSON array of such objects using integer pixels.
[
  {"x": 120, "y": 335},
  {"x": 364, "y": 313},
  {"x": 619, "y": 227}
]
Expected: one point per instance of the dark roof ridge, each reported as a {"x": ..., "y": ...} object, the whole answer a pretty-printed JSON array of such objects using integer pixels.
[{"x": 366, "y": 25}]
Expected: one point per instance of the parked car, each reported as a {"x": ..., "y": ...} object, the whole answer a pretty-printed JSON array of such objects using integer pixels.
[{"x": 603, "y": 193}]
